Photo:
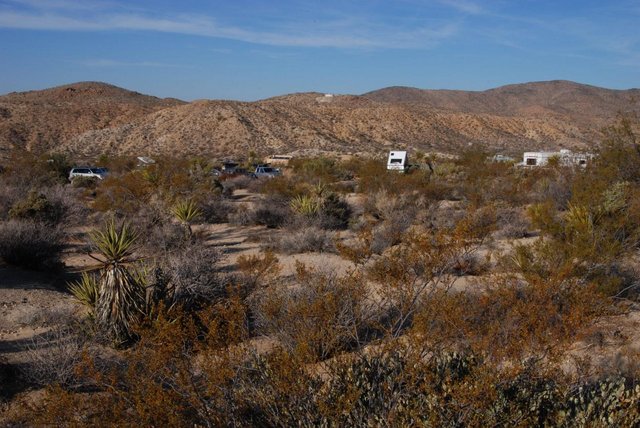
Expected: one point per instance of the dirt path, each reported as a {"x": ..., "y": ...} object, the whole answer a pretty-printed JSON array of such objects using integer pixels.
[{"x": 30, "y": 303}]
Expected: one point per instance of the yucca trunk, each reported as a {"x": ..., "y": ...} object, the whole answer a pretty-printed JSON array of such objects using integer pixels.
[{"x": 120, "y": 302}]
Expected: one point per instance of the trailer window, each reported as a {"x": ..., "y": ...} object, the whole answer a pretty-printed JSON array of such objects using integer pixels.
[
  {"x": 396, "y": 160},
  {"x": 531, "y": 161}
]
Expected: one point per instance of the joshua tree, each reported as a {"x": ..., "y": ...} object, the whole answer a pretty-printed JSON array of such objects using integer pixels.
[{"x": 120, "y": 301}]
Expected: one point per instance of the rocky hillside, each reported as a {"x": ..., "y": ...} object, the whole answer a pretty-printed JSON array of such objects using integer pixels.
[
  {"x": 509, "y": 119},
  {"x": 558, "y": 98},
  {"x": 44, "y": 120}
]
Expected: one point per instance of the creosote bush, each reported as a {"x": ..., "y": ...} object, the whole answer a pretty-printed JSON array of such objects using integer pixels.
[{"x": 31, "y": 244}]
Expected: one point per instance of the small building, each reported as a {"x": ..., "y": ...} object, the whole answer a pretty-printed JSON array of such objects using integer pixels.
[
  {"x": 398, "y": 161},
  {"x": 565, "y": 157}
]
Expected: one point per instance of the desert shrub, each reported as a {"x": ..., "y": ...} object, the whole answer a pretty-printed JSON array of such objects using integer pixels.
[
  {"x": 470, "y": 264},
  {"x": 53, "y": 205},
  {"x": 394, "y": 214},
  {"x": 335, "y": 212},
  {"x": 389, "y": 233},
  {"x": 188, "y": 277},
  {"x": 242, "y": 216},
  {"x": 319, "y": 316},
  {"x": 326, "y": 210},
  {"x": 32, "y": 245},
  {"x": 512, "y": 223},
  {"x": 34, "y": 207},
  {"x": 271, "y": 213},
  {"x": 555, "y": 187},
  {"x": 234, "y": 183},
  {"x": 216, "y": 210},
  {"x": 85, "y": 183},
  {"x": 158, "y": 232},
  {"x": 319, "y": 170},
  {"x": 54, "y": 356},
  {"x": 9, "y": 195},
  {"x": 124, "y": 194},
  {"x": 590, "y": 237},
  {"x": 306, "y": 240},
  {"x": 282, "y": 186}
]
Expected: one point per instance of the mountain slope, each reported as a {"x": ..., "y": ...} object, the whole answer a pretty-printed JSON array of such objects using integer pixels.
[
  {"x": 43, "y": 120},
  {"x": 556, "y": 98},
  {"x": 308, "y": 123},
  {"x": 88, "y": 119}
]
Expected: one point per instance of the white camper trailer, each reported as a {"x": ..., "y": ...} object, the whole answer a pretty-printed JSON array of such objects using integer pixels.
[
  {"x": 564, "y": 156},
  {"x": 538, "y": 158},
  {"x": 398, "y": 161}
]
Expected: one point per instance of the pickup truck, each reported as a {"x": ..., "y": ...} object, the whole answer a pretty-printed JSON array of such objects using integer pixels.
[{"x": 265, "y": 172}]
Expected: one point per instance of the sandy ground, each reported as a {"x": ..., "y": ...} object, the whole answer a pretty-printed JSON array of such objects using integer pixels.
[{"x": 30, "y": 303}]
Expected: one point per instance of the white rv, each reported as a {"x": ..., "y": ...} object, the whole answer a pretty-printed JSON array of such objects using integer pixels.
[
  {"x": 538, "y": 158},
  {"x": 565, "y": 157},
  {"x": 398, "y": 161}
]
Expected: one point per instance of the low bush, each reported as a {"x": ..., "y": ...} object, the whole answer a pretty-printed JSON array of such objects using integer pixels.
[
  {"x": 512, "y": 223},
  {"x": 306, "y": 240},
  {"x": 216, "y": 210},
  {"x": 271, "y": 212},
  {"x": 31, "y": 244},
  {"x": 320, "y": 315},
  {"x": 188, "y": 277},
  {"x": 54, "y": 357}
]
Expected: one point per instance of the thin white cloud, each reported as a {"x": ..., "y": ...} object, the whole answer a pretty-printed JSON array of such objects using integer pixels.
[
  {"x": 84, "y": 5},
  {"x": 465, "y": 6},
  {"x": 103, "y": 62},
  {"x": 330, "y": 34}
]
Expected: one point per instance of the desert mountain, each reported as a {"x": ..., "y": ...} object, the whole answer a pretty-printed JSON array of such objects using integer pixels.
[
  {"x": 558, "y": 98},
  {"x": 43, "y": 120},
  {"x": 509, "y": 119}
]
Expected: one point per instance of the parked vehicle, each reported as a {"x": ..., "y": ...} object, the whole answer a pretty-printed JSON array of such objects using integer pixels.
[
  {"x": 265, "y": 172},
  {"x": 90, "y": 172}
]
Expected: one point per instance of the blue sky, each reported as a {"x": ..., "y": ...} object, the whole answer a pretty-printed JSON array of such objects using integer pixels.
[{"x": 251, "y": 49}]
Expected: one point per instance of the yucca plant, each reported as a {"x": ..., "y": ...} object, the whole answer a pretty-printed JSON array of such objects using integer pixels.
[
  {"x": 186, "y": 212},
  {"x": 120, "y": 299},
  {"x": 86, "y": 290},
  {"x": 306, "y": 205}
]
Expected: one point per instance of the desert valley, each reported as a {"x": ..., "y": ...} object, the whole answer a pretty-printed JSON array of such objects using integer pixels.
[{"x": 182, "y": 285}]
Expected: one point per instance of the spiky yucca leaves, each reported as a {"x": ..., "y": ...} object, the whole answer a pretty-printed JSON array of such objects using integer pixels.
[
  {"x": 186, "y": 212},
  {"x": 306, "y": 205},
  {"x": 121, "y": 293},
  {"x": 86, "y": 290}
]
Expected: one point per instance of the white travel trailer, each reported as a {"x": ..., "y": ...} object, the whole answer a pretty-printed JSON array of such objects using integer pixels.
[
  {"x": 538, "y": 158},
  {"x": 398, "y": 161},
  {"x": 565, "y": 157}
]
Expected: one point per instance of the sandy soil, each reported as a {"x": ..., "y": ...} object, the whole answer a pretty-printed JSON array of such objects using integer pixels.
[{"x": 30, "y": 303}]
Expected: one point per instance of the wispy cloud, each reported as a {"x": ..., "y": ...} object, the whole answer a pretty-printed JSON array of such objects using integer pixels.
[
  {"x": 103, "y": 62},
  {"x": 465, "y": 6},
  {"x": 60, "y": 15}
]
